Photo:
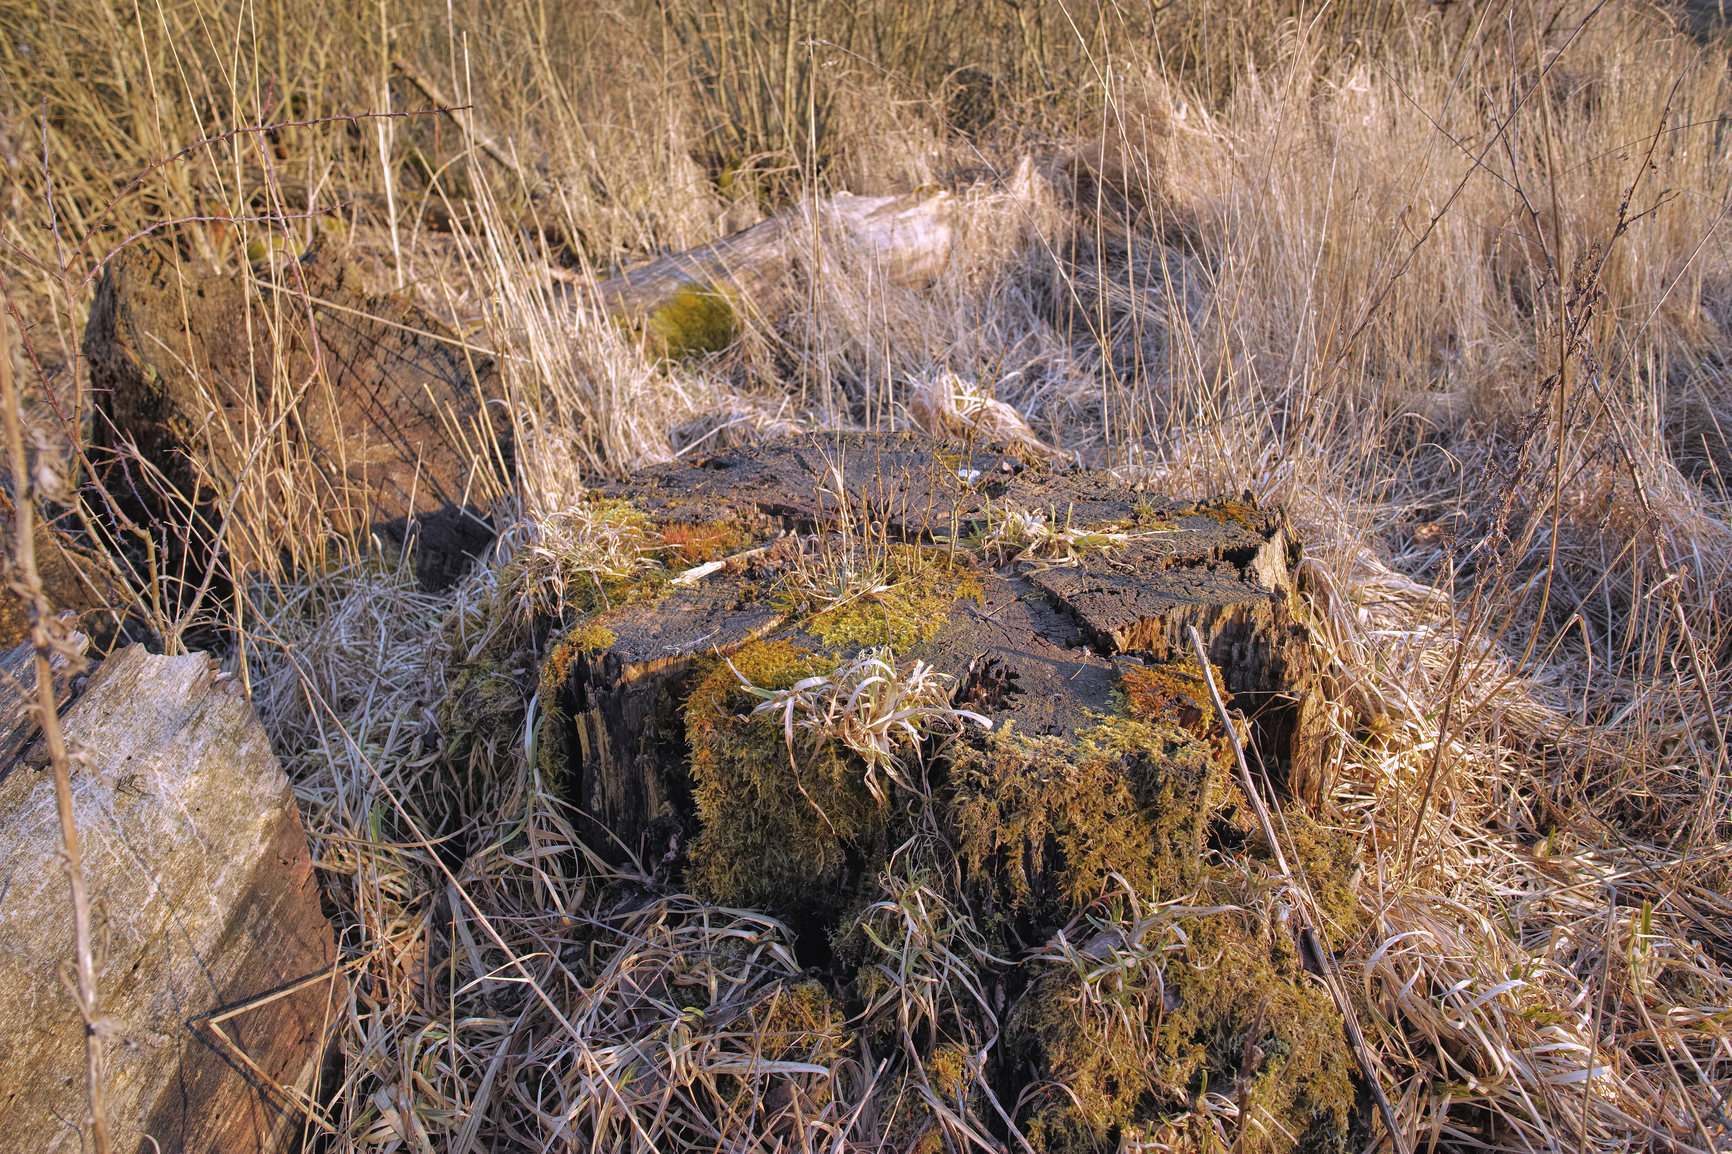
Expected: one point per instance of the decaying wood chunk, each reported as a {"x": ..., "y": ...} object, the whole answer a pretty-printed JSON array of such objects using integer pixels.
[
  {"x": 375, "y": 413},
  {"x": 18, "y": 726},
  {"x": 1062, "y": 580},
  {"x": 205, "y": 905}
]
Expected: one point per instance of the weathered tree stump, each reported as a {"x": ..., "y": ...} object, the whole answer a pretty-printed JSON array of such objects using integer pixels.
[
  {"x": 325, "y": 402},
  {"x": 206, "y": 906},
  {"x": 1058, "y": 631},
  {"x": 726, "y": 708}
]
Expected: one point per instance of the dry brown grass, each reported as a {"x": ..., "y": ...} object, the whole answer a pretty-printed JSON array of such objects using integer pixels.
[{"x": 1453, "y": 287}]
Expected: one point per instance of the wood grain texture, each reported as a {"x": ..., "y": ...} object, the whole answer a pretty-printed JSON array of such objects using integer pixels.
[{"x": 205, "y": 898}]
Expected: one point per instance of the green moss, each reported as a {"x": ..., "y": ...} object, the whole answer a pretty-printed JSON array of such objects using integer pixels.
[
  {"x": 1226, "y": 1008},
  {"x": 923, "y": 586},
  {"x": 1130, "y": 797},
  {"x": 696, "y": 319},
  {"x": 1152, "y": 1012},
  {"x": 1326, "y": 859},
  {"x": 773, "y": 835}
]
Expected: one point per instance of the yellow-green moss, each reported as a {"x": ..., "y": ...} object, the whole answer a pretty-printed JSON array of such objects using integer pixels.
[
  {"x": 585, "y": 639},
  {"x": 800, "y": 1023},
  {"x": 1136, "y": 795},
  {"x": 696, "y": 319},
  {"x": 591, "y": 637},
  {"x": 923, "y": 586},
  {"x": 1129, "y": 797},
  {"x": 1183, "y": 1020},
  {"x": 1327, "y": 859},
  {"x": 773, "y": 835},
  {"x": 912, "y": 1125},
  {"x": 598, "y": 556}
]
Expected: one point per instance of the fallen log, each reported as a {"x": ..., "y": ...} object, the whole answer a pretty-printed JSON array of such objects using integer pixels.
[
  {"x": 691, "y": 301},
  {"x": 216, "y": 979}
]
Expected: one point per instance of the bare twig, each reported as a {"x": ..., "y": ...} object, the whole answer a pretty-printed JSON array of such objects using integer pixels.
[
  {"x": 1325, "y": 962},
  {"x": 26, "y": 581}
]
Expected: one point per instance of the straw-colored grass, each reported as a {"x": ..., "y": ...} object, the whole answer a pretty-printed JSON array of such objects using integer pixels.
[{"x": 1452, "y": 286}]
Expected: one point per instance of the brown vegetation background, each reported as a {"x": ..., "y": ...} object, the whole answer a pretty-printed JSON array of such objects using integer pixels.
[{"x": 1450, "y": 282}]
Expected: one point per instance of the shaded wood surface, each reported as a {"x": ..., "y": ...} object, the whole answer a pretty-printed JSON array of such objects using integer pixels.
[
  {"x": 75, "y": 579},
  {"x": 369, "y": 410}
]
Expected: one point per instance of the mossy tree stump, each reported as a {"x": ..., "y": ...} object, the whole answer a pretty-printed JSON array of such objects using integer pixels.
[
  {"x": 1059, "y": 637},
  {"x": 1058, "y": 605}
]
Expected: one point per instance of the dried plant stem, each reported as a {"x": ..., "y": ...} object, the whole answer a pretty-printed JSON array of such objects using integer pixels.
[
  {"x": 27, "y": 582},
  {"x": 1367, "y": 1064}
]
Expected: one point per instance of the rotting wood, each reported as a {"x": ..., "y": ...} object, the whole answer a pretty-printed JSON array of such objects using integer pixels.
[
  {"x": 1056, "y": 635},
  {"x": 197, "y": 860},
  {"x": 362, "y": 420}
]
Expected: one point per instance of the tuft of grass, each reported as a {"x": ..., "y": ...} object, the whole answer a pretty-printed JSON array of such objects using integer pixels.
[
  {"x": 871, "y": 705},
  {"x": 1041, "y": 539},
  {"x": 592, "y": 556}
]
